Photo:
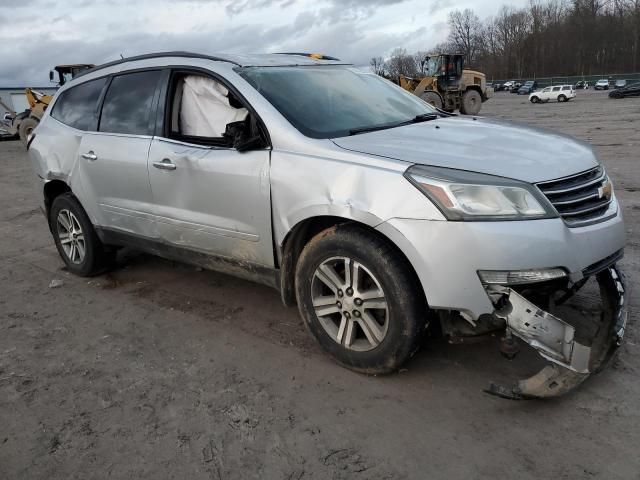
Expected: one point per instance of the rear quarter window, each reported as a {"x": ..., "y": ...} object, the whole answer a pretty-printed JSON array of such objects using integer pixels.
[
  {"x": 78, "y": 106},
  {"x": 128, "y": 103}
]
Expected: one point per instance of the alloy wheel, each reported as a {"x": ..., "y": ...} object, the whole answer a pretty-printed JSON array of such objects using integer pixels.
[
  {"x": 71, "y": 236},
  {"x": 350, "y": 303}
]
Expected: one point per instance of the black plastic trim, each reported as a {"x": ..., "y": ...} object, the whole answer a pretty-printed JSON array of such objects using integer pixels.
[{"x": 238, "y": 268}]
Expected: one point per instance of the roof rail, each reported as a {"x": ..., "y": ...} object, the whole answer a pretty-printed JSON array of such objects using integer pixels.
[
  {"x": 317, "y": 56},
  {"x": 156, "y": 55}
]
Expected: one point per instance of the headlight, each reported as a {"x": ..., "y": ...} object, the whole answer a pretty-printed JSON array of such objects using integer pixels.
[{"x": 462, "y": 195}]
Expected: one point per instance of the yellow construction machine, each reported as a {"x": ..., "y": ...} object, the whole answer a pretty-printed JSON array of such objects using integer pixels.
[
  {"x": 22, "y": 124},
  {"x": 448, "y": 86}
]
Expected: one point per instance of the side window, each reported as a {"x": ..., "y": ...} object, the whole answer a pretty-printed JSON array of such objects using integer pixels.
[
  {"x": 566, "y": 87},
  {"x": 78, "y": 106},
  {"x": 546, "y": 90},
  {"x": 202, "y": 110},
  {"x": 556, "y": 89},
  {"x": 128, "y": 103}
]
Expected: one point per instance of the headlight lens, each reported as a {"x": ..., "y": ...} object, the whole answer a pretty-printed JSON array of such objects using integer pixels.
[
  {"x": 520, "y": 277},
  {"x": 463, "y": 195}
]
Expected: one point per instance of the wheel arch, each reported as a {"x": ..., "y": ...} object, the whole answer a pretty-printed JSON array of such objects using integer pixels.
[
  {"x": 300, "y": 234},
  {"x": 53, "y": 189},
  {"x": 478, "y": 89}
]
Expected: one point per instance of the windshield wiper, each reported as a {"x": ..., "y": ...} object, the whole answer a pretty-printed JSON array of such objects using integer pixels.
[{"x": 423, "y": 117}]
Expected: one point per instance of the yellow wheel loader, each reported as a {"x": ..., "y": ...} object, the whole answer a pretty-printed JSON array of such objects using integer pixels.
[
  {"x": 448, "y": 86},
  {"x": 22, "y": 124}
]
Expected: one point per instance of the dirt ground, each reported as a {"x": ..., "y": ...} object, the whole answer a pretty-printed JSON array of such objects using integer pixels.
[{"x": 158, "y": 370}]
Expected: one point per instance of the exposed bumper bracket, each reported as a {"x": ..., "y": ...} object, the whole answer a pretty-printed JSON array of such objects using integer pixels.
[{"x": 571, "y": 361}]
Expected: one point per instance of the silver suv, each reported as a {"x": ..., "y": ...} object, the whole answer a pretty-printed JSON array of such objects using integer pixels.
[{"x": 375, "y": 213}]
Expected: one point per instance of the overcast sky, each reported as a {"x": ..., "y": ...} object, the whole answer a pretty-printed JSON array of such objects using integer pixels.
[{"x": 35, "y": 35}]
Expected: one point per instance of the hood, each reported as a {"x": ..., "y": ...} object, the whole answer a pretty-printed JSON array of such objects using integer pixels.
[{"x": 479, "y": 145}]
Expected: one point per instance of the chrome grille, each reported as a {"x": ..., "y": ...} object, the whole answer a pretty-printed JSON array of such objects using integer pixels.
[{"x": 580, "y": 198}]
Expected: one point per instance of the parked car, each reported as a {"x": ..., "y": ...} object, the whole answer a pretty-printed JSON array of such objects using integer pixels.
[
  {"x": 515, "y": 87},
  {"x": 528, "y": 87},
  {"x": 581, "y": 85},
  {"x": 602, "y": 84},
  {"x": 560, "y": 93},
  {"x": 620, "y": 84},
  {"x": 632, "y": 90},
  {"x": 508, "y": 85},
  {"x": 372, "y": 211}
]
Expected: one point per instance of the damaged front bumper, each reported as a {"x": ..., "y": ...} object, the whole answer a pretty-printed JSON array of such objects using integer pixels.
[{"x": 574, "y": 348}]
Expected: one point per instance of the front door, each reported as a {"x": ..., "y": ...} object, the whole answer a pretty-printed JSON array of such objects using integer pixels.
[
  {"x": 208, "y": 196},
  {"x": 213, "y": 199}
]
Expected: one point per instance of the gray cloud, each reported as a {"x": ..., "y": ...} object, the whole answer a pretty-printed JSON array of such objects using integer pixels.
[{"x": 92, "y": 31}]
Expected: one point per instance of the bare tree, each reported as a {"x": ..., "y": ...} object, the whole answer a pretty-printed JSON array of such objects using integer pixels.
[
  {"x": 465, "y": 33},
  {"x": 420, "y": 59},
  {"x": 378, "y": 66},
  {"x": 401, "y": 63},
  {"x": 545, "y": 38}
]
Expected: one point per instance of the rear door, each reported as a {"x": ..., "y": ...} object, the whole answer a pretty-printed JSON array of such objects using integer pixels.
[
  {"x": 114, "y": 158},
  {"x": 210, "y": 197}
]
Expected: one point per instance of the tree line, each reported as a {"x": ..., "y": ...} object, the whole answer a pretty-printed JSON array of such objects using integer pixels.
[{"x": 546, "y": 38}]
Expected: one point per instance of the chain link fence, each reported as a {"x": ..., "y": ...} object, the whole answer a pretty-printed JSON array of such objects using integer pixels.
[{"x": 572, "y": 80}]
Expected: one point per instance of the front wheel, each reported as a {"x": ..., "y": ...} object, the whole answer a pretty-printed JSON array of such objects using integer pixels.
[
  {"x": 359, "y": 299},
  {"x": 432, "y": 98},
  {"x": 535, "y": 100}
]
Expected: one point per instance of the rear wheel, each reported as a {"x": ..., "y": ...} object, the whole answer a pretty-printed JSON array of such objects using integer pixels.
[
  {"x": 359, "y": 300},
  {"x": 562, "y": 98},
  {"x": 26, "y": 128},
  {"x": 471, "y": 102},
  {"x": 76, "y": 240},
  {"x": 432, "y": 98}
]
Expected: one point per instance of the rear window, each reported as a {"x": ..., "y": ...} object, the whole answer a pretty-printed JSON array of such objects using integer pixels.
[
  {"x": 127, "y": 105},
  {"x": 78, "y": 106}
]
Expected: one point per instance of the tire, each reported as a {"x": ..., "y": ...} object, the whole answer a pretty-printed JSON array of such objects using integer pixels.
[
  {"x": 535, "y": 100},
  {"x": 344, "y": 329},
  {"x": 26, "y": 127},
  {"x": 471, "y": 102},
  {"x": 562, "y": 98},
  {"x": 432, "y": 98},
  {"x": 83, "y": 252}
]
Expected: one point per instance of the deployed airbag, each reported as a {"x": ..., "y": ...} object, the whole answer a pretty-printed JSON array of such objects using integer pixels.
[{"x": 205, "y": 109}]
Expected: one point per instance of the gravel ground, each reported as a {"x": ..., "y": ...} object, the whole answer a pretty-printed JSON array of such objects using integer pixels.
[{"x": 159, "y": 370}]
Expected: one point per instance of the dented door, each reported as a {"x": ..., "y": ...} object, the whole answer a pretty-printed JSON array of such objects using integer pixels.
[{"x": 213, "y": 200}]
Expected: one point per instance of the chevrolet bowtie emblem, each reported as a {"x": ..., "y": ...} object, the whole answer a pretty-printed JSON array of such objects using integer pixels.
[{"x": 605, "y": 190}]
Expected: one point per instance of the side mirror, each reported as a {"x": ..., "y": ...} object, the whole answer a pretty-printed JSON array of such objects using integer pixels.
[
  {"x": 243, "y": 137},
  {"x": 51, "y": 76}
]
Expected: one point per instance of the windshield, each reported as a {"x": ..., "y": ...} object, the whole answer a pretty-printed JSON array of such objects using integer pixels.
[{"x": 332, "y": 101}]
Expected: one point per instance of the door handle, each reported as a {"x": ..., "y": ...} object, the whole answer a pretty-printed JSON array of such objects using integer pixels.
[
  {"x": 90, "y": 155},
  {"x": 165, "y": 164}
]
